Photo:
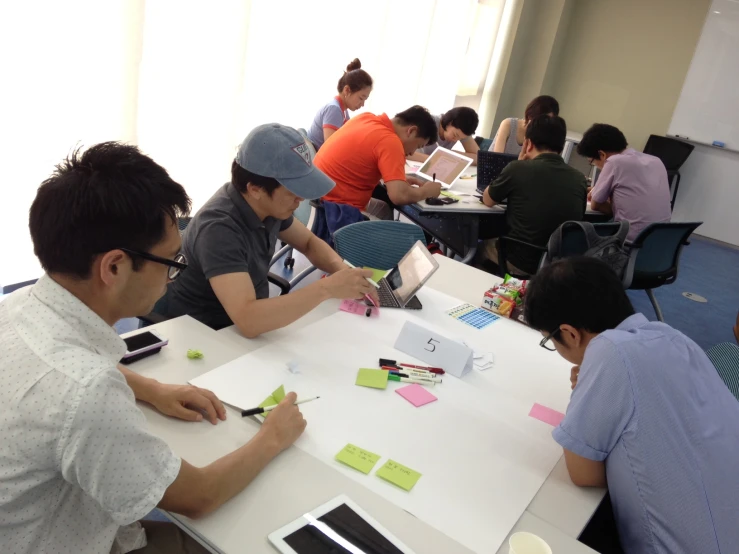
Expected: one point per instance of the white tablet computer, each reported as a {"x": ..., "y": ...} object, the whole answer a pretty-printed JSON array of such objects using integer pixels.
[
  {"x": 337, "y": 526},
  {"x": 447, "y": 165}
]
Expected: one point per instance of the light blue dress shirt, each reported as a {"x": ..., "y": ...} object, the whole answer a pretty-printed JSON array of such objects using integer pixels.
[{"x": 651, "y": 405}]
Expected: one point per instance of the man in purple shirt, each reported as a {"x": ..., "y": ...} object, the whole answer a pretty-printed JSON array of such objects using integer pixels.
[{"x": 632, "y": 185}]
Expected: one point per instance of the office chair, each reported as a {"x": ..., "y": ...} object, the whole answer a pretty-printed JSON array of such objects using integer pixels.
[
  {"x": 725, "y": 357},
  {"x": 654, "y": 258},
  {"x": 306, "y": 214},
  {"x": 376, "y": 244},
  {"x": 673, "y": 153}
]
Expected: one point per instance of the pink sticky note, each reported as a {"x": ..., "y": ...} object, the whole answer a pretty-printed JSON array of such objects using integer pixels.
[
  {"x": 359, "y": 308},
  {"x": 416, "y": 395},
  {"x": 547, "y": 415}
]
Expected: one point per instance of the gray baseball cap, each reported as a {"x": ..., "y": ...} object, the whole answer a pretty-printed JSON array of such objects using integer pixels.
[{"x": 284, "y": 154}]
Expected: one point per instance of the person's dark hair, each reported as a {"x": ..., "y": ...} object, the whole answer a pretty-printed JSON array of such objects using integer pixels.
[
  {"x": 464, "y": 119},
  {"x": 421, "y": 118},
  {"x": 240, "y": 177},
  {"x": 601, "y": 136},
  {"x": 541, "y": 105},
  {"x": 355, "y": 77},
  {"x": 109, "y": 196},
  {"x": 547, "y": 133},
  {"x": 580, "y": 291}
]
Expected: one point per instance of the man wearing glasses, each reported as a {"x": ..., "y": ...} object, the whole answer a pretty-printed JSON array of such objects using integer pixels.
[
  {"x": 78, "y": 467},
  {"x": 632, "y": 186},
  {"x": 649, "y": 416}
]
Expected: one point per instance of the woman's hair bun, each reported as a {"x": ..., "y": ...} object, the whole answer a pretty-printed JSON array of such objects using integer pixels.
[{"x": 354, "y": 64}]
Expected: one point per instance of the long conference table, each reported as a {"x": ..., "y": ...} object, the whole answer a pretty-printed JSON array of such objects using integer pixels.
[
  {"x": 297, "y": 482},
  {"x": 459, "y": 226}
]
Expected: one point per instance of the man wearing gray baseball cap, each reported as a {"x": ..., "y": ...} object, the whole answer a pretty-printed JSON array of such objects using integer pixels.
[{"x": 230, "y": 241}]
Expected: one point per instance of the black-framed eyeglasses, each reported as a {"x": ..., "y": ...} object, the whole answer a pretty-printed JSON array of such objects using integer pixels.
[
  {"x": 547, "y": 343},
  {"x": 175, "y": 266}
]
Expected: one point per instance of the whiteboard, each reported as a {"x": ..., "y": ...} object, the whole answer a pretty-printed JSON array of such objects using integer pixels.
[
  {"x": 707, "y": 108},
  {"x": 482, "y": 457}
]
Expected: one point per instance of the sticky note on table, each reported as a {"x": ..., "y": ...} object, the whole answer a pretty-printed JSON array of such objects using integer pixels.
[
  {"x": 274, "y": 398},
  {"x": 358, "y": 458},
  {"x": 398, "y": 474},
  {"x": 374, "y": 378},
  {"x": 358, "y": 308},
  {"x": 547, "y": 415},
  {"x": 377, "y": 274},
  {"x": 416, "y": 395}
]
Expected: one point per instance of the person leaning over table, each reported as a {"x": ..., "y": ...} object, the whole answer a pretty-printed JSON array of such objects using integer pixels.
[
  {"x": 541, "y": 192},
  {"x": 78, "y": 466},
  {"x": 372, "y": 147},
  {"x": 354, "y": 89},
  {"x": 231, "y": 240},
  {"x": 456, "y": 125},
  {"x": 649, "y": 416},
  {"x": 512, "y": 131}
]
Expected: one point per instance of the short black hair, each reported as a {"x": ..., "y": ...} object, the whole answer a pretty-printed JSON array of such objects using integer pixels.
[
  {"x": 541, "y": 105},
  {"x": 109, "y": 196},
  {"x": 464, "y": 119},
  {"x": 601, "y": 136},
  {"x": 421, "y": 118},
  {"x": 581, "y": 291},
  {"x": 547, "y": 133},
  {"x": 240, "y": 177}
]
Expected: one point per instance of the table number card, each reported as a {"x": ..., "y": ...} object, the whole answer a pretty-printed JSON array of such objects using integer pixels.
[{"x": 434, "y": 349}]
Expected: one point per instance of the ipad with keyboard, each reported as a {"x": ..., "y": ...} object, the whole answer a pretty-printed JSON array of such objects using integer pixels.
[{"x": 399, "y": 287}]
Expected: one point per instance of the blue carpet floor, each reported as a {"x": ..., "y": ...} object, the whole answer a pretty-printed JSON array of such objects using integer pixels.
[{"x": 709, "y": 269}]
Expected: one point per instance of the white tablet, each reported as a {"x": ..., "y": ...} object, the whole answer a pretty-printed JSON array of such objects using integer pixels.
[
  {"x": 337, "y": 526},
  {"x": 447, "y": 165}
]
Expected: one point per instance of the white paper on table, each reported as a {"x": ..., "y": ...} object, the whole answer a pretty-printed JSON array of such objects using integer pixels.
[{"x": 482, "y": 458}]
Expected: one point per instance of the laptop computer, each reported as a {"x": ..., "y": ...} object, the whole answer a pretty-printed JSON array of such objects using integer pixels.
[
  {"x": 399, "y": 287},
  {"x": 489, "y": 167}
]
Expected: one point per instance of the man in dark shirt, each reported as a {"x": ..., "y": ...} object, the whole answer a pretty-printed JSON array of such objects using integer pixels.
[{"x": 541, "y": 191}]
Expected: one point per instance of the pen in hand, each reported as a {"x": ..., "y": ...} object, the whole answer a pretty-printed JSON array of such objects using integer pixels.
[
  {"x": 371, "y": 282},
  {"x": 264, "y": 410}
]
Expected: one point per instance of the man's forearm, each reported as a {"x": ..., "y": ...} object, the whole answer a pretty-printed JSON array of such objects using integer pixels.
[
  {"x": 402, "y": 193},
  {"x": 603, "y": 207},
  {"x": 268, "y": 314},
  {"x": 143, "y": 387}
]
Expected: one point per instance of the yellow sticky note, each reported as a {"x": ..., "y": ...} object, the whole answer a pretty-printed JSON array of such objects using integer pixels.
[
  {"x": 450, "y": 195},
  {"x": 374, "y": 378},
  {"x": 398, "y": 474},
  {"x": 274, "y": 398},
  {"x": 377, "y": 274},
  {"x": 358, "y": 458}
]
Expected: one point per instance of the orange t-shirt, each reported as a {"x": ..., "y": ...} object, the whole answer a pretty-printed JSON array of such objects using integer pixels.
[{"x": 365, "y": 150}]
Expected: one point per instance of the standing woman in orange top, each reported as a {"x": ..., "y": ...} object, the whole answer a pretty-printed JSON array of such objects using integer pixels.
[{"x": 354, "y": 88}]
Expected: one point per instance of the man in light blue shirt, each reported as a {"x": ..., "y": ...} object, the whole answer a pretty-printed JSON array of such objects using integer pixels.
[{"x": 649, "y": 417}]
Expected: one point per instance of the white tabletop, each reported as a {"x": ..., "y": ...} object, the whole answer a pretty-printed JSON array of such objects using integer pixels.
[{"x": 297, "y": 482}]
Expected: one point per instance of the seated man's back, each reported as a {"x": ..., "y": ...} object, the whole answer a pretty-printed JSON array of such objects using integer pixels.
[
  {"x": 632, "y": 186},
  {"x": 541, "y": 194}
]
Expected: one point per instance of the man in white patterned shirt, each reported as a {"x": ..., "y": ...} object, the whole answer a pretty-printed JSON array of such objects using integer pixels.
[{"x": 78, "y": 467}]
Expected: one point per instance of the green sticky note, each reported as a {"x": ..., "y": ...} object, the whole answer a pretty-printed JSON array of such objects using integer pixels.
[
  {"x": 274, "y": 398},
  {"x": 398, "y": 474},
  {"x": 375, "y": 378},
  {"x": 377, "y": 274},
  {"x": 194, "y": 354},
  {"x": 358, "y": 458},
  {"x": 450, "y": 195}
]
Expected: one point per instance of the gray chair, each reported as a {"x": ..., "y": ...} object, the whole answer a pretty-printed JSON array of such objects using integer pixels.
[
  {"x": 377, "y": 244},
  {"x": 725, "y": 357},
  {"x": 654, "y": 258}
]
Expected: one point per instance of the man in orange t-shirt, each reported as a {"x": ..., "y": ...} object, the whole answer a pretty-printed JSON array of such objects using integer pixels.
[{"x": 372, "y": 147}]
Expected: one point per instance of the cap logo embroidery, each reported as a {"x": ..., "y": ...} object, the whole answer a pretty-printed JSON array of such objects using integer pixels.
[{"x": 303, "y": 151}]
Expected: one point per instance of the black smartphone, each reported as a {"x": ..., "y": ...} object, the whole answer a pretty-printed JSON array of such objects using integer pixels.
[{"x": 142, "y": 345}]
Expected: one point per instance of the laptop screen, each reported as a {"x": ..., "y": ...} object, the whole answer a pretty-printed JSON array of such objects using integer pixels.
[{"x": 411, "y": 273}]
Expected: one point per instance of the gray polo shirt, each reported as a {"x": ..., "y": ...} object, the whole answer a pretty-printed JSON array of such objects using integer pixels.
[{"x": 225, "y": 236}]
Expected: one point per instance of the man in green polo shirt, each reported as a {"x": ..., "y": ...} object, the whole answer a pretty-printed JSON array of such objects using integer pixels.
[
  {"x": 230, "y": 241},
  {"x": 541, "y": 192}
]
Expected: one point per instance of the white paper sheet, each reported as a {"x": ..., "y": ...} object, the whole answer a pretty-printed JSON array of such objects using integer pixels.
[{"x": 482, "y": 458}]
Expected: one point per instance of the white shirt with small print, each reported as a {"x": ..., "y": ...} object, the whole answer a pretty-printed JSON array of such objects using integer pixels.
[{"x": 78, "y": 467}]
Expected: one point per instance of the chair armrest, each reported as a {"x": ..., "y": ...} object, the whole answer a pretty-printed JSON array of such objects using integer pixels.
[
  {"x": 283, "y": 284},
  {"x": 502, "y": 251},
  {"x": 534, "y": 246}
]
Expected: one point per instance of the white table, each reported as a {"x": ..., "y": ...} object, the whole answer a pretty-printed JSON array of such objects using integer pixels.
[{"x": 296, "y": 482}]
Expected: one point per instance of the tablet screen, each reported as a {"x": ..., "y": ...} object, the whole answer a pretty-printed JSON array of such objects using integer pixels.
[{"x": 344, "y": 532}]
